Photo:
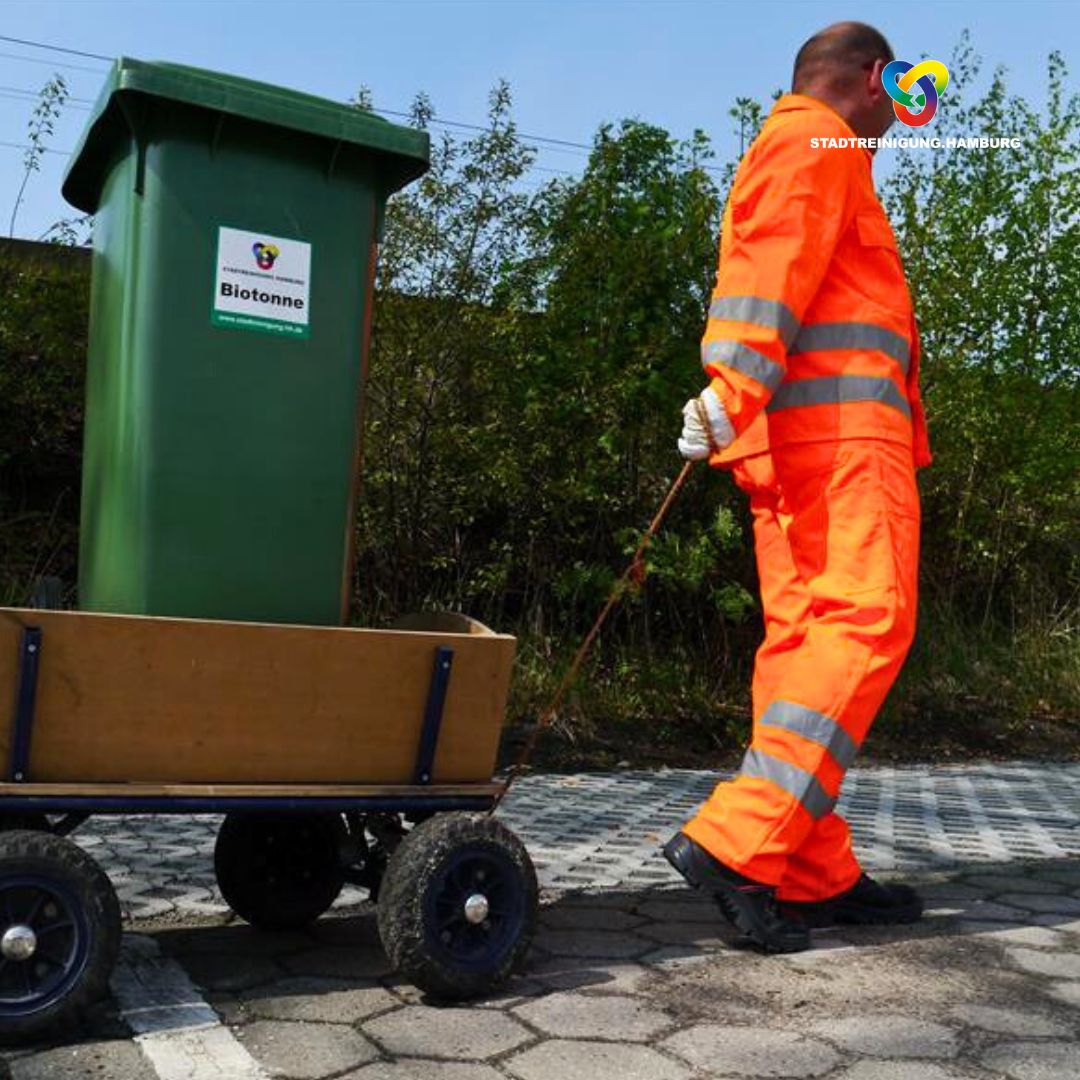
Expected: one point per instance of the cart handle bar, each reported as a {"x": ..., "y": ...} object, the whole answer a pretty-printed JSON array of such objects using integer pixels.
[{"x": 636, "y": 572}]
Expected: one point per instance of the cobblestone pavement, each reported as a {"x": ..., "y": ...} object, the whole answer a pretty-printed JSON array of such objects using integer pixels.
[{"x": 637, "y": 979}]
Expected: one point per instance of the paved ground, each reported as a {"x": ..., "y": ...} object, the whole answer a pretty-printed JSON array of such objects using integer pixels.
[
  {"x": 632, "y": 977},
  {"x": 605, "y": 830}
]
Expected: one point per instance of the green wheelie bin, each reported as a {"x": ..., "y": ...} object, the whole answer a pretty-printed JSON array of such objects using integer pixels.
[{"x": 235, "y": 226}]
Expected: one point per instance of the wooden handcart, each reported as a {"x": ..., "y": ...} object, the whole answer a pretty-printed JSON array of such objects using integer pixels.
[{"x": 336, "y": 755}]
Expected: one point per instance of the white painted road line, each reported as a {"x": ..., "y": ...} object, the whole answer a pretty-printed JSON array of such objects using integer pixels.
[{"x": 180, "y": 1035}]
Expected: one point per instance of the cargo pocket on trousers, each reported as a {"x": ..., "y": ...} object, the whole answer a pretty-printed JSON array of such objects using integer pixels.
[{"x": 900, "y": 495}]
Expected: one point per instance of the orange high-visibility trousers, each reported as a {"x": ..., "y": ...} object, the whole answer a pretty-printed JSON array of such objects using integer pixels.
[{"x": 836, "y": 532}]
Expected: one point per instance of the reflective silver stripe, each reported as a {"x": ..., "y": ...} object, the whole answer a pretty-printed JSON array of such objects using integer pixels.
[
  {"x": 837, "y": 389},
  {"x": 759, "y": 311},
  {"x": 815, "y": 726},
  {"x": 734, "y": 354},
  {"x": 853, "y": 335},
  {"x": 798, "y": 783}
]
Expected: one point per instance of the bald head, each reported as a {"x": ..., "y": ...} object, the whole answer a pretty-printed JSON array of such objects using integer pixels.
[
  {"x": 837, "y": 54},
  {"x": 841, "y": 65}
]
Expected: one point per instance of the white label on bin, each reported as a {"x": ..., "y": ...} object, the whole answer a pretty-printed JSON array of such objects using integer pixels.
[{"x": 262, "y": 282}]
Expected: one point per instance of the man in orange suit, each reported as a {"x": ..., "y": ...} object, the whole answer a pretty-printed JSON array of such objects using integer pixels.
[{"x": 813, "y": 405}]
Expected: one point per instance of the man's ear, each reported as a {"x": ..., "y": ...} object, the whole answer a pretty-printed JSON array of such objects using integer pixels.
[{"x": 875, "y": 88}]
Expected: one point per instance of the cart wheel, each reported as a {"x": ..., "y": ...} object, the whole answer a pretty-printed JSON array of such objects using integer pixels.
[
  {"x": 59, "y": 934},
  {"x": 458, "y": 906},
  {"x": 280, "y": 871}
]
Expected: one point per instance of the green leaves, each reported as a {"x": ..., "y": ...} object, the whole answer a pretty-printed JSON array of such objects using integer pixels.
[
  {"x": 531, "y": 355},
  {"x": 991, "y": 242},
  {"x": 39, "y": 130},
  {"x": 43, "y": 321}
]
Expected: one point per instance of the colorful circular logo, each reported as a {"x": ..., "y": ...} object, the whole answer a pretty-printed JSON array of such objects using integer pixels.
[
  {"x": 915, "y": 89},
  {"x": 265, "y": 254}
]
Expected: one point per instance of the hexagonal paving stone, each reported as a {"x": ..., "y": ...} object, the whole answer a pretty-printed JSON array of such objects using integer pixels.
[
  {"x": 894, "y": 1070},
  {"x": 890, "y": 1036},
  {"x": 228, "y": 971},
  {"x": 1040, "y": 937},
  {"x": 1057, "y": 922},
  {"x": 1068, "y": 876},
  {"x": 607, "y": 976},
  {"x": 356, "y": 930},
  {"x": 680, "y": 907},
  {"x": 1033, "y": 1060},
  {"x": 598, "y": 944},
  {"x": 303, "y": 1050},
  {"x": 594, "y": 1016},
  {"x": 1052, "y": 904},
  {"x": 317, "y": 1000},
  {"x": 988, "y": 910},
  {"x": 515, "y": 992},
  {"x": 675, "y": 958},
  {"x": 115, "y": 1059},
  {"x": 826, "y": 952},
  {"x": 951, "y": 890},
  {"x": 1068, "y": 992},
  {"x": 1010, "y": 1021},
  {"x": 1056, "y": 965},
  {"x": 754, "y": 1051},
  {"x": 422, "y": 1069},
  {"x": 587, "y": 917},
  {"x": 227, "y": 1006},
  {"x": 708, "y": 935},
  {"x": 423, "y": 1031},
  {"x": 339, "y": 962},
  {"x": 560, "y": 1059},
  {"x": 240, "y": 939}
]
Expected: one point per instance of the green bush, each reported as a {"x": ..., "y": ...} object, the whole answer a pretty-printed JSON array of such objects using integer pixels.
[{"x": 43, "y": 321}]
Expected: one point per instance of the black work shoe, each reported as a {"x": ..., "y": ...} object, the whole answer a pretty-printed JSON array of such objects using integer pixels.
[
  {"x": 748, "y": 905},
  {"x": 867, "y": 902}
]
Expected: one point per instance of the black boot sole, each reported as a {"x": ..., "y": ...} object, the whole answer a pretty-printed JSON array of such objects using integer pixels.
[
  {"x": 738, "y": 908},
  {"x": 854, "y": 915}
]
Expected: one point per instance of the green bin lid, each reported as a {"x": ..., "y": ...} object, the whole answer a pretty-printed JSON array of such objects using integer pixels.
[{"x": 404, "y": 151}]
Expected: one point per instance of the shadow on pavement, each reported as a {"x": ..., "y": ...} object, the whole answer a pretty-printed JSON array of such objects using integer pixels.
[
  {"x": 989, "y": 930},
  {"x": 584, "y": 935}
]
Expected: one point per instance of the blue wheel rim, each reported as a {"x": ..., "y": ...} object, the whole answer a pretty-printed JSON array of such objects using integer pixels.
[
  {"x": 59, "y": 922},
  {"x": 452, "y": 938}
]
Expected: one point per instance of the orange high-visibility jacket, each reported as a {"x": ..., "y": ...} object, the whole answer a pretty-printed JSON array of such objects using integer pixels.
[{"x": 811, "y": 334}]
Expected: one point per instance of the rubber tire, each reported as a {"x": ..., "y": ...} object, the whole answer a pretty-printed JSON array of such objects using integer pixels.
[
  {"x": 281, "y": 905},
  {"x": 414, "y": 869},
  {"x": 57, "y": 858}
]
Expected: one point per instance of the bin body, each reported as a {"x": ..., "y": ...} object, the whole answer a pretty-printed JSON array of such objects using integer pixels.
[{"x": 234, "y": 238}]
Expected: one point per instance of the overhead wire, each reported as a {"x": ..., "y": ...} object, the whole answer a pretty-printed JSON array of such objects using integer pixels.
[
  {"x": 51, "y": 63},
  {"x": 26, "y": 146},
  {"x": 548, "y": 141},
  {"x": 13, "y": 91},
  {"x": 54, "y": 48}
]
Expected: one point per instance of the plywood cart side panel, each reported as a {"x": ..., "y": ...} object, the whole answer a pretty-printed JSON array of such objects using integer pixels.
[{"x": 125, "y": 698}]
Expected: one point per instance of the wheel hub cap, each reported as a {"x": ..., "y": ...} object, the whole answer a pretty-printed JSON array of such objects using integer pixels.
[
  {"x": 18, "y": 943},
  {"x": 476, "y": 908}
]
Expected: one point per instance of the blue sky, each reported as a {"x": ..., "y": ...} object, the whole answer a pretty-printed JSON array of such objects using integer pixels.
[{"x": 572, "y": 64}]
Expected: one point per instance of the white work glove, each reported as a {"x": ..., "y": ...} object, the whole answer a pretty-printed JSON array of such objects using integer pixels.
[{"x": 706, "y": 426}]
